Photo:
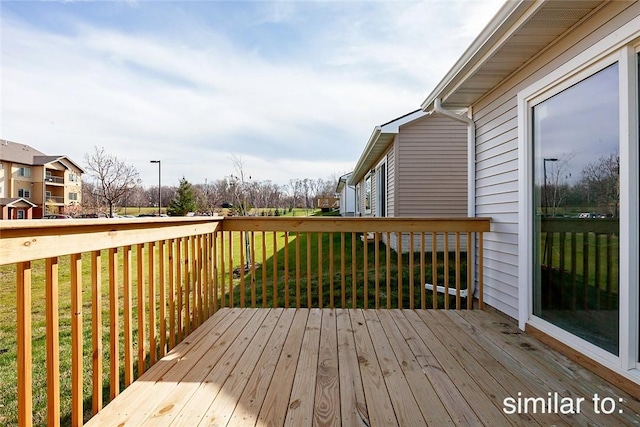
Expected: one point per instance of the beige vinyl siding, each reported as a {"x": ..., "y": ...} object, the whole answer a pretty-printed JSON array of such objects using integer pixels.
[
  {"x": 391, "y": 180},
  {"x": 431, "y": 168},
  {"x": 497, "y": 153}
]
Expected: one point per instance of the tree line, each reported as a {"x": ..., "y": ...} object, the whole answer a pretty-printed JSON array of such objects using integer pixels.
[{"x": 113, "y": 184}]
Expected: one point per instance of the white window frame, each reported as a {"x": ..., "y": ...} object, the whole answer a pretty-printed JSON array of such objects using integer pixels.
[
  {"x": 20, "y": 214},
  {"x": 26, "y": 193},
  {"x": 368, "y": 177},
  {"x": 619, "y": 46},
  {"x": 380, "y": 194},
  {"x": 75, "y": 198},
  {"x": 24, "y": 171}
]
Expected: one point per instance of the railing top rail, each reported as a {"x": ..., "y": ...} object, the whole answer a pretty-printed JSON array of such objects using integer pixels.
[
  {"x": 334, "y": 224},
  {"x": 37, "y": 239}
]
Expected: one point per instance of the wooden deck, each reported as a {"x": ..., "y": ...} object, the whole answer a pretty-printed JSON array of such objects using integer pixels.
[{"x": 361, "y": 368}]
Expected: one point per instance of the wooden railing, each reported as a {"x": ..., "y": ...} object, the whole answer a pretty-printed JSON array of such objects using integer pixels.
[
  {"x": 165, "y": 276},
  {"x": 579, "y": 258}
]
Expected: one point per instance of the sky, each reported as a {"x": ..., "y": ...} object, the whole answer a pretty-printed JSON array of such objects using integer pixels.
[{"x": 293, "y": 89}]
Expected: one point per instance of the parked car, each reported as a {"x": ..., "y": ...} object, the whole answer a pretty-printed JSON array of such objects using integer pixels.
[{"x": 57, "y": 216}]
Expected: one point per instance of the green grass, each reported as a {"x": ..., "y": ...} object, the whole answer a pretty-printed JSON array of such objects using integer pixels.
[{"x": 315, "y": 282}]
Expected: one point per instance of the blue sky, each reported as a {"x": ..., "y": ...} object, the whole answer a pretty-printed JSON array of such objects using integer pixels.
[{"x": 292, "y": 88}]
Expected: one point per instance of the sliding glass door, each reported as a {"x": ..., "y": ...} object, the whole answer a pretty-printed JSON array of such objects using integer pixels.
[{"x": 576, "y": 187}]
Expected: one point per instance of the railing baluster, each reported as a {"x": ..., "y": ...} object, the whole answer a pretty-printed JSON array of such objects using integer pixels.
[
  {"x": 188, "y": 277},
  {"x": 275, "y": 270},
  {"x": 141, "y": 311},
  {"x": 574, "y": 268},
  {"x": 96, "y": 326},
  {"x": 399, "y": 238},
  {"x": 423, "y": 291},
  {"x": 434, "y": 272},
  {"x": 354, "y": 277},
  {"x": 365, "y": 270},
  {"x": 411, "y": 286},
  {"x": 163, "y": 298},
  {"x": 76, "y": 340},
  {"x": 320, "y": 295},
  {"x": 114, "y": 327},
  {"x": 194, "y": 284},
  {"x": 457, "y": 271},
  {"x": 152, "y": 303},
  {"x": 253, "y": 270},
  {"x": 343, "y": 286},
  {"x": 609, "y": 269},
  {"x": 297, "y": 270},
  {"x": 469, "y": 271},
  {"x": 585, "y": 269},
  {"x": 264, "y": 270},
  {"x": 286, "y": 269},
  {"x": 206, "y": 309},
  {"x": 388, "y": 262},
  {"x": 481, "y": 271},
  {"x": 231, "y": 268},
  {"x": 53, "y": 341},
  {"x": 216, "y": 291},
  {"x": 376, "y": 254},
  {"x": 179, "y": 307},
  {"x": 25, "y": 368},
  {"x": 446, "y": 270},
  {"x": 331, "y": 279},
  {"x": 127, "y": 310},
  {"x": 563, "y": 238},
  {"x": 598, "y": 271},
  {"x": 309, "y": 295},
  {"x": 242, "y": 256}
]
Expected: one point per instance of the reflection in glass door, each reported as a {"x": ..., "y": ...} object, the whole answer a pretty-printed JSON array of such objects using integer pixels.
[{"x": 576, "y": 200}]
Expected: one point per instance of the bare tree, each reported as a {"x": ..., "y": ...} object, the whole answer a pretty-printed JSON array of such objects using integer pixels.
[
  {"x": 555, "y": 189},
  {"x": 114, "y": 178},
  {"x": 239, "y": 184},
  {"x": 602, "y": 178}
]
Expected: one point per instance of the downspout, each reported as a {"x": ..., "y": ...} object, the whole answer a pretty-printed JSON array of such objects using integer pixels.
[
  {"x": 471, "y": 153},
  {"x": 471, "y": 176}
]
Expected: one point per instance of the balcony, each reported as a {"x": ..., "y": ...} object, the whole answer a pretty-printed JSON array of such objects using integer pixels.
[
  {"x": 54, "y": 199},
  {"x": 273, "y": 321},
  {"x": 50, "y": 179}
]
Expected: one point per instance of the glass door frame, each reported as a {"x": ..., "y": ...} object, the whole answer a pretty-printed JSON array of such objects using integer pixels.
[{"x": 619, "y": 48}]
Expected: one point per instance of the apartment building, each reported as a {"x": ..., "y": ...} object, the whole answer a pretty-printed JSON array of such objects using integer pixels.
[{"x": 33, "y": 184}]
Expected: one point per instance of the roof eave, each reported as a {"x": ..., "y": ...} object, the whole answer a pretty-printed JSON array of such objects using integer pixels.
[{"x": 510, "y": 17}]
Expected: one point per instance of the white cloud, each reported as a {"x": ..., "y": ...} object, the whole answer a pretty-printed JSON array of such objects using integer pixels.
[{"x": 193, "y": 101}]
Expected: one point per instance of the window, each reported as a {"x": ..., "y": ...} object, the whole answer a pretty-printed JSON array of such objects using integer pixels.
[
  {"x": 576, "y": 208},
  {"x": 24, "y": 172},
  {"x": 20, "y": 214},
  {"x": 73, "y": 196},
  {"x": 381, "y": 189},
  {"x": 73, "y": 177},
  {"x": 23, "y": 192},
  {"x": 367, "y": 194}
]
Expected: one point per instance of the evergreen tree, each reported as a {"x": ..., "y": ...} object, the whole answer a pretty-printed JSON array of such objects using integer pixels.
[{"x": 184, "y": 201}]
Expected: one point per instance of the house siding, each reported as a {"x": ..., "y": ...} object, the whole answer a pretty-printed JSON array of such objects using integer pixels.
[
  {"x": 496, "y": 159},
  {"x": 431, "y": 168},
  {"x": 391, "y": 180}
]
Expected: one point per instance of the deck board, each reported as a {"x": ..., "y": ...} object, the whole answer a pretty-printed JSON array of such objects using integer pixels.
[{"x": 256, "y": 367}]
